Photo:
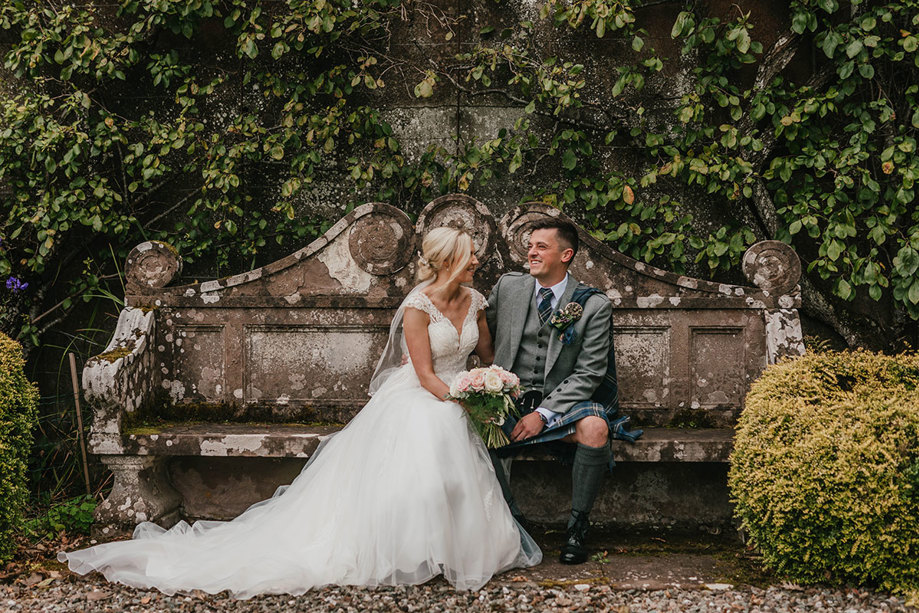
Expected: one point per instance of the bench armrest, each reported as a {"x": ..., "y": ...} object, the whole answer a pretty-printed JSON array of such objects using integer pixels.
[{"x": 122, "y": 379}]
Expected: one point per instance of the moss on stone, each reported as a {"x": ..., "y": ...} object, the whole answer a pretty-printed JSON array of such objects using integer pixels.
[
  {"x": 116, "y": 353},
  {"x": 147, "y": 429},
  {"x": 692, "y": 418}
]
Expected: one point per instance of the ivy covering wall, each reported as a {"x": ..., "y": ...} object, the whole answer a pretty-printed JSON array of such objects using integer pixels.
[{"x": 678, "y": 132}]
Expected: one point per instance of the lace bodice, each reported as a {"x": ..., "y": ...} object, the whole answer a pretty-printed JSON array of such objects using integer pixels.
[{"x": 449, "y": 349}]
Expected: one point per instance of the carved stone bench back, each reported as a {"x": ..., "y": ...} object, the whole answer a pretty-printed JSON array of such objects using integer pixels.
[{"x": 297, "y": 340}]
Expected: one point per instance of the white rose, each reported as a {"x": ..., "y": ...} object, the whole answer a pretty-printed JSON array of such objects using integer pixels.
[
  {"x": 493, "y": 382},
  {"x": 454, "y": 387}
]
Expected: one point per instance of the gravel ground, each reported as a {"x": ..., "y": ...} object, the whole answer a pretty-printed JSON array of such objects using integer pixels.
[
  {"x": 93, "y": 594},
  {"x": 627, "y": 575}
]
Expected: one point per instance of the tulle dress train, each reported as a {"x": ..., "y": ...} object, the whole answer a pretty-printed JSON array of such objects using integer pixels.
[{"x": 403, "y": 493}]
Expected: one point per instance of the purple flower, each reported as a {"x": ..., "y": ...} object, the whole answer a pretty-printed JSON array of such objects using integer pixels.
[{"x": 15, "y": 285}]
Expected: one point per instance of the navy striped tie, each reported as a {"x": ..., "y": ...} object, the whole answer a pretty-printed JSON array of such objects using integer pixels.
[{"x": 545, "y": 304}]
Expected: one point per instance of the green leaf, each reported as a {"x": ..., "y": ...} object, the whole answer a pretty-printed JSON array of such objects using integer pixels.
[
  {"x": 846, "y": 70},
  {"x": 913, "y": 294},
  {"x": 249, "y": 48},
  {"x": 830, "y": 42},
  {"x": 637, "y": 43},
  {"x": 743, "y": 40},
  {"x": 683, "y": 21},
  {"x": 799, "y": 23},
  {"x": 569, "y": 159},
  {"x": 516, "y": 161},
  {"x": 854, "y": 48},
  {"x": 866, "y": 70},
  {"x": 906, "y": 262},
  {"x": 843, "y": 289},
  {"x": 425, "y": 89}
]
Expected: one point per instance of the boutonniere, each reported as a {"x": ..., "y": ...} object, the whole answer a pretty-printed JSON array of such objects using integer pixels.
[{"x": 563, "y": 319}]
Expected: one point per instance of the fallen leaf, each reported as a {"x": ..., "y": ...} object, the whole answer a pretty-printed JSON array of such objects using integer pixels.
[{"x": 97, "y": 595}]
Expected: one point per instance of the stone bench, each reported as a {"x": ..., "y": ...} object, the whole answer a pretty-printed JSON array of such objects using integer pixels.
[{"x": 210, "y": 395}]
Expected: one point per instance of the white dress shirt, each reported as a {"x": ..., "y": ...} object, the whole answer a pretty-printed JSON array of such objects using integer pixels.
[{"x": 557, "y": 290}]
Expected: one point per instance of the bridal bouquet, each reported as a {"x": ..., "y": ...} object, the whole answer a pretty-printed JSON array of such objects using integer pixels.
[{"x": 487, "y": 394}]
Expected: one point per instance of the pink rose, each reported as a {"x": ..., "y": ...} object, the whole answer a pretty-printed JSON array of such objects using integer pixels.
[{"x": 477, "y": 380}]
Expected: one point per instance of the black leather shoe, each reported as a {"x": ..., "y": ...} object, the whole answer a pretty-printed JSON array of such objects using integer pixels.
[{"x": 573, "y": 551}]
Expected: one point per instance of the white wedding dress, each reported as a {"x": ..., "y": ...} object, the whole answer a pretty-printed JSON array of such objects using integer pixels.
[{"x": 405, "y": 492}]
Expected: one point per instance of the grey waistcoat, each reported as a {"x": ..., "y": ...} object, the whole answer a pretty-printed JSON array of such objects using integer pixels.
[{"x": 530, "y": 363}]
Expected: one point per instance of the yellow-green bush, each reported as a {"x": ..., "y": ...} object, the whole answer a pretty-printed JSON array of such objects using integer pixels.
[
  {"x": 825, "y": 469},
  {"x": 18, "y": 414}
]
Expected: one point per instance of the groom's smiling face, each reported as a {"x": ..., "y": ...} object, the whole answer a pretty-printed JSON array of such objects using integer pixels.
[{"x": 547, "y": 257}]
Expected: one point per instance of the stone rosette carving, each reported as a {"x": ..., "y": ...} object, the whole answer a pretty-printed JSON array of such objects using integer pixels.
[
  {"x": 772, "y": 266},
  {"x": 152, "y": 264},
  {"x": 463, "y": 212},
  {"x": 381, "y": 243}
]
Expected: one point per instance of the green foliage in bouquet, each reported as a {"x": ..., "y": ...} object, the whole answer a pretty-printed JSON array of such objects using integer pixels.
[
  {"x": 825, "y": 469},
  {"x": 18, "y": 399},
  {"x": 487, "y": 413}
]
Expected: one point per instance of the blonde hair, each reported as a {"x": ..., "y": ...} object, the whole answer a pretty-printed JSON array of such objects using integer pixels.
[{"x": 441, "y": 246}]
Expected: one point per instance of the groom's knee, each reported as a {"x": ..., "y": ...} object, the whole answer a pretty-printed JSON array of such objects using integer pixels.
[{"x": 592, "y": 431}]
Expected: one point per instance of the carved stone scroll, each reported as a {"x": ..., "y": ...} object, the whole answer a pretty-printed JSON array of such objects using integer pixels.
[
  {"x": 381, "y": 243},
  {"x": 772, "y": 266},
  {"x": 152, "y": 264},
  {"x": 461, "y": 211},
  {"x": 518, "y": 231}
]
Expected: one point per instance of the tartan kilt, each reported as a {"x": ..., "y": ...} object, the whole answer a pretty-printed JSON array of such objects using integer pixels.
[
  {"x": 563, "y": 427},
  {"x": 566, "y": 424}
]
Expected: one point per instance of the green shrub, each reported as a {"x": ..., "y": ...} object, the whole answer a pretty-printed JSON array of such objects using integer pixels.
[
  {"x": 18, "y": 415},
  {"x": 825, "y": 469},
  {"x": 74, "y": 516}
]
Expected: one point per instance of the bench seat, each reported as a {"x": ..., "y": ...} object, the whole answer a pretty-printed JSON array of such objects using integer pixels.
[
  {"x": 236, "y": 373},
  {"x": 300, "y": 441}
]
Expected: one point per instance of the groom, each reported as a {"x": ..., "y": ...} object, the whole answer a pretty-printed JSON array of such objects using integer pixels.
[{"x": 562, "y": 360}]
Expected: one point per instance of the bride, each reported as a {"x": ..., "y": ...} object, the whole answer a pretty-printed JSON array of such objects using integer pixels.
[{"x": 405, "y": 492}]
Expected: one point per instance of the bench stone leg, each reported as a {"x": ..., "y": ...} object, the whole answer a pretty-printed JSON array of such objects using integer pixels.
[{"x": 141, "y": 492}]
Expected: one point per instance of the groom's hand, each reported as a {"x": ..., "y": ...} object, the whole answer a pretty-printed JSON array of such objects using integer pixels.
[{"x": 528, "y": 426}]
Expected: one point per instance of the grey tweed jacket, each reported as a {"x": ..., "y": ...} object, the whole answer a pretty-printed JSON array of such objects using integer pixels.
[{"x": 573, "y": 371}]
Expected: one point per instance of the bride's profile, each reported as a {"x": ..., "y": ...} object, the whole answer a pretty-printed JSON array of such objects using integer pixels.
[{"x": 403, "y": 493}]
